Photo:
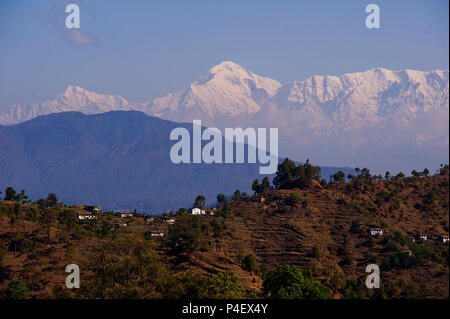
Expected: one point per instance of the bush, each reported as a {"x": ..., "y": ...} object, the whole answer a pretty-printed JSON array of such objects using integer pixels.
[
  {"x": 399, "y": 260},
  {"x": 289, "y": 282},
  {"x": 224, "y": 286},
  {"x": 190, "y": 233},
  {"x": 371, "y": 258},
  {"x": 193, "y": 286},
  {"x": 17, "y": 289},
  {"x": 289, "y": 175},
  {"x": 347, "y": 260},
  {"x": 356, "y": 227},
  {"x": 249, "y": 264},
  {"x": 390, "y": 245},
  {"x": 293, "y": 199}
]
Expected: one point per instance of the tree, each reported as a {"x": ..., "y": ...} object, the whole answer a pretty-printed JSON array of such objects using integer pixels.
[
  {"x": 249, "y": 264},
  {"x": 127, "y": 268},
  {"x": 289, "y": 282},
  {"x": 306, "y": 173},
  {"x": 339, "y": 177},
  {"x": 10, "y": 194},
  {"x": 17, "y": 289},
  {"x": 290, "y": 176},
  {"x": 387, "y": 175},
  {"x": 200, "y": 201},
  {"x": 418, "y": 174},
  {"x": 22, "y": 197},
  {"x": 236, "y": 195},
  {"x": 444, "y": 169},
  {"x": 285, "y": 175},
  {"x": 294, "y": 198},
  {"x": 400, "y": 176},
  {"x": 256, "y": 186},
  {"x": 221, "y": 199},
  {"x": 224, "y": 285},
  {"x": 426, "y": 172},
  {"x": 52, "y": 200},
  {"x": 189, "y": 233},
  {"x": 47, "y": 220},
  {"x": 265, "y": 184}
]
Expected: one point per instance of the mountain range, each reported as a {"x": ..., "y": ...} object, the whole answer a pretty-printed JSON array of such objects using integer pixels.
[
  {"x": 117, "y": 160},
  {"x": 382, "y": 119}
]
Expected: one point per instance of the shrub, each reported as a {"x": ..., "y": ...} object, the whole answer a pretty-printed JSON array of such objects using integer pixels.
[
  {"x": 316, "y": 253},
  {"x": 249, "y": 264},
  {"x": 17, "y": 289},
  {"x": 399, "y": 260},
  {"x": 289, "y": 282},
  {"x": 293, "y": 199},
  {"x": 347, "y": 260}
]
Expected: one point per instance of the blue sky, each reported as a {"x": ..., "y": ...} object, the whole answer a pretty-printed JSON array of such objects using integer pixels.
[{"x": 144, "y": 49}]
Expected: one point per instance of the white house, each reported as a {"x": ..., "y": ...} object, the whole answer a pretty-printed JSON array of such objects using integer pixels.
[
  {"x": 169, "y": 220},
  {"x": 422, "y": 237},
  {"x": 86, "y": 215},
  {"x": 198, "y": 211},
  {"x": 157, "y": 234},
  {"x": 376, "y": 231},
  {"x": 150, "y": 219},
  {"x": 444, "y": 238},
  {"x": 124, "y": 214}
]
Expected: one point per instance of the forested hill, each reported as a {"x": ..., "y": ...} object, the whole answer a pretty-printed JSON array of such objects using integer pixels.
[
  {"x": 300, "y": 240},
  {"x": 116, "y": 160}
]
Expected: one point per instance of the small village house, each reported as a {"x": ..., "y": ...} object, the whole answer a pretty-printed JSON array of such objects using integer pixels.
[
  {"x": 157, "y": 234},
  {"x": 85, "y": 215},
  {"x": 197, "y": 211},
  {"x": 443, "y": 238},
  {"x": 422, "y": 237},
  {"x": 169, "y": 220},
  {"x": 376, "y": 231},
  {"x": 124, "y": 214}
]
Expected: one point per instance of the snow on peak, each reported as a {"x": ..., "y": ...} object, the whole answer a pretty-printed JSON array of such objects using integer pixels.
[
  {"x": 77, "y": 96},
  {"x": 226, "y": 89},
  {"x": 74, "y": 98},
  {"x": 228, "y": 66},
  {"x": 72, "y": 89}
]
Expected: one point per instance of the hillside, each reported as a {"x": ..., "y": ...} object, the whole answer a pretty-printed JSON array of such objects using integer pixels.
[
  {"x": 116, "y": 160},
  {"x": 322, "y": 229}
]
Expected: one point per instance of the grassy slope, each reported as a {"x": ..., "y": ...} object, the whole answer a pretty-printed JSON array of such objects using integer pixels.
[{"x": 274, "y": 233}]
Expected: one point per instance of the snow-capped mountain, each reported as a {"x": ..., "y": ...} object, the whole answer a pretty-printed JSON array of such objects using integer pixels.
[
  {"x": 367, "y": 98},
  {"x": 227, "y": 89},
  {"x": 376, "y": 118},
  {"x": 74, "y": 98}
]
